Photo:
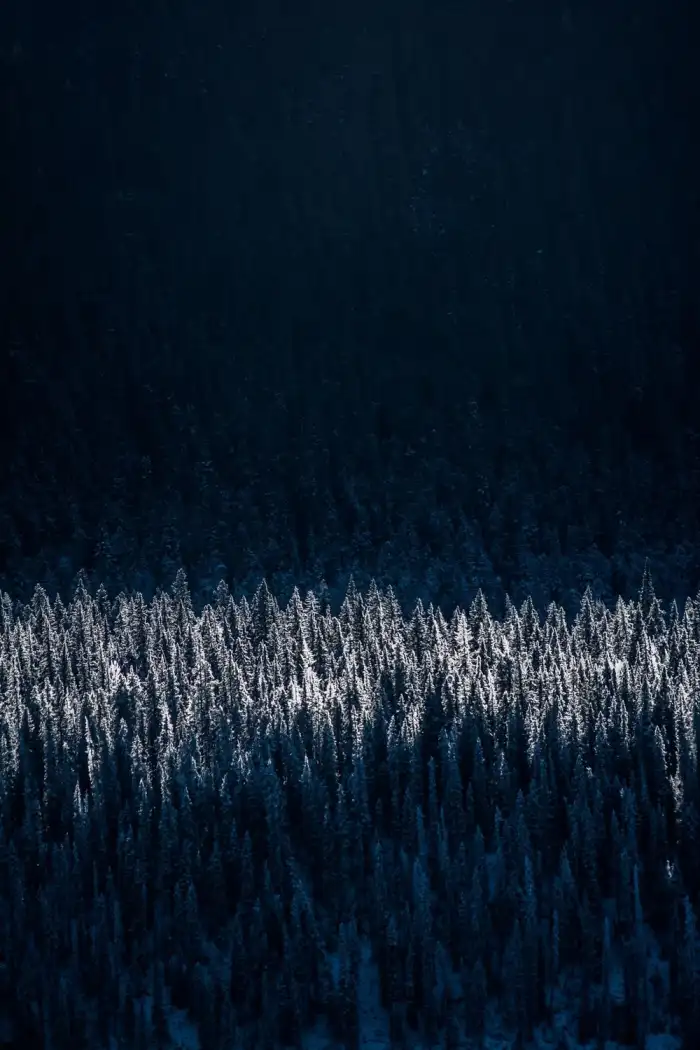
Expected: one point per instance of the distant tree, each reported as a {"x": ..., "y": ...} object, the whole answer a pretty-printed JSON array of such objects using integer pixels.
[
  {"x": 397, "y": 1027},
  {"x": 473, "y": 981},
  {"x": 687, "y": 995}
]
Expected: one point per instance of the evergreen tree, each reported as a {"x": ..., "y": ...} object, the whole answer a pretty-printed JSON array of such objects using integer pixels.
[
  {"x": 484, "y": 795},
  {"x": 473, "y": 981},
  {"x": 688, "y": 969}
]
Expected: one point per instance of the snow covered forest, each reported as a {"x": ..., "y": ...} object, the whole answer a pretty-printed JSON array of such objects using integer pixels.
[
  {"x": 259, "y": 826},
  {"x": 394, "y": 306}
]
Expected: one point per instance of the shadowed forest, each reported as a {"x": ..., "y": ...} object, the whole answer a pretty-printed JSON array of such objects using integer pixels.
[
  {"x": 264, "y": 827},
  {"x": 375, "y": 328}
]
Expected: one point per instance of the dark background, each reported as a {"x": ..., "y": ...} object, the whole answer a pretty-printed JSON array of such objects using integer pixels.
[{"x": 406, "y": 290}]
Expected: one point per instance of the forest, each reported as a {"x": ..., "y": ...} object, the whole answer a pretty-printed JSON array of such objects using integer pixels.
[
  {"x": 259, "y": 826},
  {"x": 349, "y": 383}
]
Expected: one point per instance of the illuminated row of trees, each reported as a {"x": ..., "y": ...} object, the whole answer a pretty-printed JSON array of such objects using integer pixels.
[{"x": 237, "y": 813}]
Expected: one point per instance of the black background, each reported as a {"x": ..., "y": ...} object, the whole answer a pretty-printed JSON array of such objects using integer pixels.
[{"x": 408, "y": 290}]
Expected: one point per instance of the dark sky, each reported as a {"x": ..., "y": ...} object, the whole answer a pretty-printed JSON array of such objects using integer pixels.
[
  {"x": 327, "y": 222},
  {"x": 532, "y": 165}
]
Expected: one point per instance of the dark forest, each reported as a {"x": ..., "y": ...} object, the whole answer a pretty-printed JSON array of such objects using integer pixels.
[
  {"x": 261, "y": 827},
  {"x": 349, "y": 372}
]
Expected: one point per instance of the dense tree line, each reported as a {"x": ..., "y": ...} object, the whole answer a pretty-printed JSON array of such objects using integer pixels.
[
  {"x": 484, "y": 488},
  {"x": 235, "y": 813}
]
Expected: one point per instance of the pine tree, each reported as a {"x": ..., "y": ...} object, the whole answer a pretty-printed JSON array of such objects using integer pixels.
[
  {"x": 514, "y": 982},
  {"x": 530, "y": 931},
  {"x": 203, "y": 1005},
  {"x": 240, "y": 969},
  {"x": 290, "y": 1014},
  {"x": 687, "y": 995},
  {"x": 397, "y": 1027},
  {"x": 474, "y": 990},
  {"x": 347, "y": 1008},
  {"x": 158, "y": 1008}
]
